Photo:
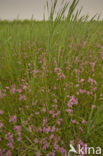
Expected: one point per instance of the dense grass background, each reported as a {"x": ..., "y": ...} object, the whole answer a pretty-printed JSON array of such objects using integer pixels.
[{"x": 51, "y": 86}]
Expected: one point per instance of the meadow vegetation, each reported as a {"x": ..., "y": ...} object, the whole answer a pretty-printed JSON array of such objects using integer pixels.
[{"x": 51, "y": 84}]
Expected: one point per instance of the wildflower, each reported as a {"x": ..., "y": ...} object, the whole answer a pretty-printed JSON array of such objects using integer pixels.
[
  {"x": 81, "y": 130},
  {"x": 74, "y": 122},
  {"x": 84, "y": 122},
  {"x": 6, "y": 87},
  {"x": 43, "y": 109},
  {"x": 77, "y": 85},
  {"x": 19, "y": 90},
  {"x": 22, "y": 97},
  {"x": 13, "y": 118},
  {"x": 45, "y": 146},
  {"x": 51, "y": 111},
  {"x": 40, "y": 129},
  {"x": 63, "y": 151},
  {"x": 13, "y": 89},
  {"x": 10, "y": 145},
  {"x": 81, "y": 91},
  {"x": 60, "y": 76},
  {"x": 53, "y": 129},
  {"x": 73, "y": 101},
  {"x": 56, "y": 69},
  {"x": 55, "y": 87},
  {"x": 56, "y": 114},
  {"x": 70, "y": 111},
  {"x": 19, "y": 139},
  {"x": 91, "y": 81},
  {"x": 59, "y": 122},
  {"x": 55, "y": 100},
  {"x": 8, "y": 153},
  {"x": 51, "y": 136},
  {"x": 77, "y": 93},
  {"x": 24, "y": 87},
  {"x": 37, "y": 113},
  {"x": 47, "y": 130},
  {"x": 1, "y": 124},
  {"x": 89, "y": 93},
  {"x": 1, "y": 95},
  {"x": 1, "y": 112},
  {"x": 36, "y": 140},
  {"x": 45, "y": 120},
  {"x": 17, "y": 128},
  {"x": 9, "y": 137}
]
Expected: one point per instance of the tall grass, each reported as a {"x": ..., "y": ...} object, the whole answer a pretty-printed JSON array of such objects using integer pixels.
[{"x": 51, "y": 91}]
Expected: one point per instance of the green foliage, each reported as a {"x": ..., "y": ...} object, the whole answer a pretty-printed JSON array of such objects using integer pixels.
[{"x": 43, "y": 65}]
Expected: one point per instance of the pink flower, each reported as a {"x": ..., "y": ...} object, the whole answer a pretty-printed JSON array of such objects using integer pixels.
[
  {"x": 81, "y": 91},
  {"x": 1, "y": 95},
  {"x": 73, "y": 101},
  {"x": 55, "y": 87},
  {"x": 70, "y": 111},
  {"x": 37, "y": 113},
  {"x": 84, "y": 122},
  {"x": 74, "y": 122},
  {"x": 43, "y": 109},
  {"x": 59, "y": 122},
  {"x": 19, "y": 90},
  {"x": 53, "y": 129},
  {"x": 36, "y": 140},
  {"x": 51, "y": 136},
  {"x": 45, "y": 120},
  {"x": 89, "y": 93},
  {"x": 40, "y": 129},
  {"x": 81, "y": 130},
  {"x": 51, "y": 111},
  {"x": 1, "y": 112},
  {"x": 45, "y": 146},
  {"x": 91, "y": 81},
  {"x": 56, "y": 114},
  {"x": 13, "y": 89},
  {"x": 10, "y": 145},
  {"x": 22, "y": 97},
  {"x": 13, "y": 118},
  {"x": 34, "y": 71},
  {"x": 9, "y": 136},
  {"x": 55, "y": 100},
  {"x": 60, "y": 76},
  {"x": 17, "y": 128},
  {"x": 63, "y": 151},
  {"x": 1, "y": 124},
  {"x": 6, "y": 87},
  {"x": 19, "y": 138},
  {"x": 56, "y": 69},
  {"x": 47, "y": 130},
  {"x": 8, "y": 153},
  {"x": 77, "y": 85},
  {"x": 24, "y": 87}
]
